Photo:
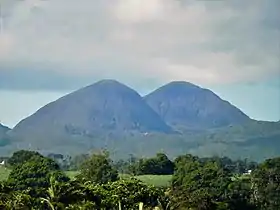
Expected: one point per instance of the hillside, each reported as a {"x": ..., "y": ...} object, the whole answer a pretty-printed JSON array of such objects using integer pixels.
[
  {"x": 255, "y": 140},
  {"x": 106, "y": 109},
  {"x": 3, "y": 135},
  {"x": 187, "y": 106}
]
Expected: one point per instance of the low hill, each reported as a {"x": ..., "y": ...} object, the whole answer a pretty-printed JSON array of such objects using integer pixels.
[
  {"x": 187, "y": 106},
  {"x": 256, "y": 140}
]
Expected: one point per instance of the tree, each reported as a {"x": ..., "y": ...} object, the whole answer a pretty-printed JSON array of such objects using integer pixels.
[
  {"x": 61, "y": 194},
  {"x": 34, "y": 175},
  {"x": 126, "y": 194},
  {"x": 199, "y": 185},
  {"x": 16, "y": 200},
  {"x": 22, "y": 156},
  {"x": 239, "y": 194},
  {"x": 164, "y": 165},
  {"x": 266, "y": 185},
  {"x": 129, "y": 193},
  {"x": 76, "y": 161},
  {"x": 159, "y": 165},
  {"x": 98, "y": 168}
]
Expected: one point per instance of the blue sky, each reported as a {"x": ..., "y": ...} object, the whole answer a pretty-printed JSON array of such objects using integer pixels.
[{"x": 50, "y": 48}]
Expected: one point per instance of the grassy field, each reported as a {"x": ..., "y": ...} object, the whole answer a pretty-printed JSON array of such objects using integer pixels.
[
  {"x": 72, "y": 174},
  {"x": 4, "y": 173},
  {"x": 156, "y": 180}
]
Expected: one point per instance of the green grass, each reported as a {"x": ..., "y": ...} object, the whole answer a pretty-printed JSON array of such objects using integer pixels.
[
  {"x": 72, "y": 174},
  {"x": 156, "y": 180},
  {"x": 4, "y": 173}
]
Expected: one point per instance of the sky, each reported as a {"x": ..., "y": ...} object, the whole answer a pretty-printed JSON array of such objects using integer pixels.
[{"x": 49, "y": 48}]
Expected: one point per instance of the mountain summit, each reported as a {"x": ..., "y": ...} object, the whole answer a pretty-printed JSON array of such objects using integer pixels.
[
  {"x": 96, "y": 110},
  {"x": 184, "y": 104}
]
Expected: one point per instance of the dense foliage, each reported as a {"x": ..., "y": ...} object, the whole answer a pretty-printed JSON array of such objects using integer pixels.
[
  {"x": 203, "y": 185},
  {"x": 266, "y": 185},
  {"x": 21, "y": 156},
  {"x": 158, "y": 165},
  {"x": 197, "y": 184},
  {"x": 98, "y": 169}
]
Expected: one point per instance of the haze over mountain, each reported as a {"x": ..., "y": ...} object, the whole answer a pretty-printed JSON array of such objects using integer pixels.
[{"x": 182, "y": 104}]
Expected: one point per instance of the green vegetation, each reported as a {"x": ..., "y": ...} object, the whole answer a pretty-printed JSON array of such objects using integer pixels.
[
  {"x": 255, "y": 140},
  {"x": 22, "y": 156},
  {"x": 159, "y": 165},
  {"x": 4, "y": 173},
  {"x": 72, "y": 174},
  {"x": 266, "y": 184},
  {"x": 156, "y": 180},
  {"x": 98, "y": 169},
  {"x": 196, "y": 184}
]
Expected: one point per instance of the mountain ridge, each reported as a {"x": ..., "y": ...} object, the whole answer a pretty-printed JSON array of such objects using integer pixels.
[{"x": 110, "y": 115}]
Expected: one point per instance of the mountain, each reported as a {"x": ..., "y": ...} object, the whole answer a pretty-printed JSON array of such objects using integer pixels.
[
  {"x": 3, "y": 135},
  {"x": 112, "y": 116},
  {"x": 185, "y": 105},
  {"x": 106, "y": 108},
  {"x": 3, "y": 129}
]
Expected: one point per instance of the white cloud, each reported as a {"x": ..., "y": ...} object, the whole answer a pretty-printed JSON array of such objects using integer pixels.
[
  {"x": 202, "y": 42},
  {"x": 136, "y": 11}
]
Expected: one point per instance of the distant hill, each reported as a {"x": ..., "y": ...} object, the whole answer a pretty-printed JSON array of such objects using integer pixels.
[
  {"x": 3, "y": 135},
  {"x": 256, "y": 140},
  {"x": 185, "y": 105},
  {"x": 106, "y": 109},
  {"x": 3, "y": 129}
]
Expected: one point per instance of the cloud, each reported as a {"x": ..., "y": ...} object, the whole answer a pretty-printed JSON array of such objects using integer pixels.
[{"x": 205, "y": 42}]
